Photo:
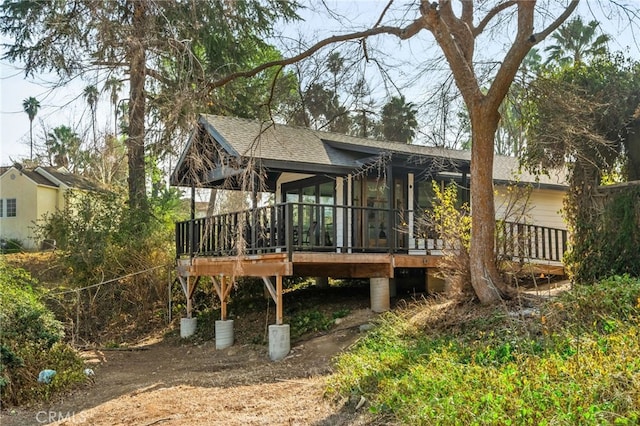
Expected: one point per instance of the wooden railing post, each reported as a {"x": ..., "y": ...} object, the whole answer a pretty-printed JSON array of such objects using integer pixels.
[{"x": 288, "y": 229}]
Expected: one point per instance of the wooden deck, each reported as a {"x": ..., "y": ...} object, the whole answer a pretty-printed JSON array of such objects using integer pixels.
[
  {"x": 270, "y": 243},
  {"x": 309, "y": 264}
]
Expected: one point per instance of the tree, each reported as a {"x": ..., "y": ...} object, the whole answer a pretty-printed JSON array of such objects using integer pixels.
[
  {"x": 576, "y": 42},
  {"x": 168, "y": 46},
  {"x": 31, "y": 106},
  {"x": 456, "y": 33},
  {"x": 64, "y": 149},
  {"x": 114, "y": 85},
  {"x": 399, "y": 121},
  {"x": 91, "y": 95},
  {"x": 586, "y": 117}
]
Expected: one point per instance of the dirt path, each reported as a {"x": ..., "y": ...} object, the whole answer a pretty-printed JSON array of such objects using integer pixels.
[{"x": 173, "y": 383}]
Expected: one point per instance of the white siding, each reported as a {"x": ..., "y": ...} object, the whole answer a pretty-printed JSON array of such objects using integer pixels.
[{"x": 543, "y": 207}]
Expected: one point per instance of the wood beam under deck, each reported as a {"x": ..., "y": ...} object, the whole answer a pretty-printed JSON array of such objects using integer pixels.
[
  {"x": 343, "y": 265},
  {"x": 237, "y": 266},
  {"x": 335, "y": 265}
]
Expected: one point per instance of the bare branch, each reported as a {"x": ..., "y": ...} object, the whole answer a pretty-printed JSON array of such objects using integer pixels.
[
  {"x": 384, "y": 12},
  {"x": 402, "y": 33},
  {"x": 512, "y": 60},
  {"x": 155, "y": 74},
  {"x": 462, "y": 68},
  {"x": 538, "y": 37},
  {"x": 459, "y": 29},
  {"x": 467, "y": 13},
  {"x": 492, "y": 13}
]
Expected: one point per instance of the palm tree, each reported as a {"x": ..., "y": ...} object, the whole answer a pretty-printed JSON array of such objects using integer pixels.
[
  {"x": 63, "y": 146},
  {"x": 114, "y": 85},
  {"x": 399, "y": 121},
  {"x": 91, "y": 96},
  {"x": 576, "y": 41},
  {"x": 31, "y": 106}
]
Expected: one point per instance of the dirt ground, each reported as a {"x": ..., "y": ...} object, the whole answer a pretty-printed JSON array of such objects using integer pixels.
[
  {"x": 172, "y": 381},
  {"x": 169, "y": 382}
]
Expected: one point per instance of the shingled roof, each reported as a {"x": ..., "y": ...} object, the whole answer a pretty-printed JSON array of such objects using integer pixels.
[
  {"x": 291, "y": 148},
  {"x": 53, "y": 177}
]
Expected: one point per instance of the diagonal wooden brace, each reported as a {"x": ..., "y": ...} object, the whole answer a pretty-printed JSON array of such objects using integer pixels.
[
  {"x": 276, "y": 295},
  {"x": 223, "y": 290},
  {"x": 188, "y": 287}
]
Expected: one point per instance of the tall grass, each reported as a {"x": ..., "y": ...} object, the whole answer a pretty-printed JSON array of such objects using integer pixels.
[{"x": 576, "y": 361}]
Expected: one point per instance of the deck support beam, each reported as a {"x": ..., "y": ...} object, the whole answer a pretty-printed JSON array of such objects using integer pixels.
[
  {"x": 223, "y": 289},
  {"x": 276, "y": 295},
  {"x": 223, "y": 327},
  {"x": 188, "y": 324},
  {"x": 279, "y": 333},
  {"x": 188, "y": 287}
]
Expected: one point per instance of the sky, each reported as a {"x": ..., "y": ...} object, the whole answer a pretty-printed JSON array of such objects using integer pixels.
[{"x": 66, "y": 106}]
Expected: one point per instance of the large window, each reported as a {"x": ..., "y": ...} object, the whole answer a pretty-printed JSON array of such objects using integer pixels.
[
  {"x": 8, "y": 207},
  {"x": 313, "y": 220}
]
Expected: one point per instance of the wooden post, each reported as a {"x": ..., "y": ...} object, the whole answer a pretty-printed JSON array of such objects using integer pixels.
[
  {"x": 189, "y": 301},
  {"x": 192, "y": 224},
  {"x": 188, "y": 294},
  {"x": 188, "y": 287},
  {"x": 279, "y": 316},
  {"x": 223, "y": 289},
  {"x": 223, "y": 299}
]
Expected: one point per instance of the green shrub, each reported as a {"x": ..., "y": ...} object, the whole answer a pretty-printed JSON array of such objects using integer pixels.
[
  {"x": 485, "y": 368},
  {"x": 30, "y": 341},
  {"x": 602, "y": 304},
  {"x": 605, "y": 241},
  {"x": 100, "y": 239}
]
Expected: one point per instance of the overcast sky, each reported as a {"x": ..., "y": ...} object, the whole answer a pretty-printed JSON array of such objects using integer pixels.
[{"x": 65, "y": 106}]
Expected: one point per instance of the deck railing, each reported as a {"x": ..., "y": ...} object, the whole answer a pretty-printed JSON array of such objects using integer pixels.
[
  {"x": 291, "y": 227},
  {"x": 518, "y": 241}
]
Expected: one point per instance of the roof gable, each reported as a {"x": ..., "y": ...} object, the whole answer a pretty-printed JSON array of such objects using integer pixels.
[
  {"x": 290, "y": 148},
  {"x": 30, "y": 174}
]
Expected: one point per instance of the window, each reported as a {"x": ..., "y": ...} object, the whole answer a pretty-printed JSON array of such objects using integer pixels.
[
  {"x": 8, "y": 207},
  {"x": 11, "y": 207}
]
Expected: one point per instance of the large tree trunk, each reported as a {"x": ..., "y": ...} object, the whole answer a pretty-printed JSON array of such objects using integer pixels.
[
  {"x": 135, "y": 140},
  {"x": 485, "y": 279}
]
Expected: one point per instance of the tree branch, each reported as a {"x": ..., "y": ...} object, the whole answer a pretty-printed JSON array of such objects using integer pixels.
[
  {"x": 492, "y": 13},
  {"x": 402, "y": 33},
  {"x": 467, "y": 12},
  {"x": 155, "y": 74},
  {"x": 461, "y": 32},
  {"x": 461, "y": 68},
  {"x": 538, "y": 37},
  {"x": 512, "y": 60},
  {"x": 384, "y": 12}
]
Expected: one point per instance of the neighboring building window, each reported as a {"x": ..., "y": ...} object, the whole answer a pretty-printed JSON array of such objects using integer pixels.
[
  {"x": 11, "y": 207},
  {"x": 8, "y": 207}
]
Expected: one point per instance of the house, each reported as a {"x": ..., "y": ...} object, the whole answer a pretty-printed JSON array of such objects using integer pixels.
[
  {"x": 344, "y": 207},
  {"x": 27, "y": 195}
]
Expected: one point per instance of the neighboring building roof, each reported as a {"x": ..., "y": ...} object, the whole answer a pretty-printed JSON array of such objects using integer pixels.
[
  {"x": 306, "y": 149},
  {"x": 63, "y": 176},
  {"x": 53, "y": 177},
  {"x": 30, "y": 173}
]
